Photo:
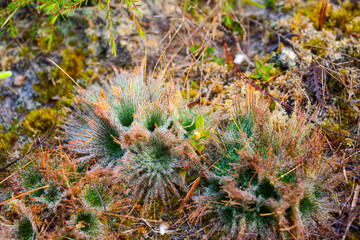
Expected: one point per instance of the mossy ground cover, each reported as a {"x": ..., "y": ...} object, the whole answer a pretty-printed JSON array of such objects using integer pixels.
[{"x": 241, "y": 180}]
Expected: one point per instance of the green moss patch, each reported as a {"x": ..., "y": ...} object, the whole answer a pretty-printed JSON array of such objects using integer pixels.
[{"x": 38, "y": 122}]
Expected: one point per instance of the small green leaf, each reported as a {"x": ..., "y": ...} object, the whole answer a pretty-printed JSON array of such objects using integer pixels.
[
  {"x": 199, "y": 124},
  {"x": 193, "y": 49},
  {"x": 255, "y": 75},
  {"x": 258, "y": 65},
  {"x": 267, "y": 68},
  {"x": 237, "y": 28},
  {"x": 265, "y": 77},
  {"x": 227, "y": 21},
  {"x": 210, "y": 50},
  {"x": 259, "y": 5},
  {"x": 200, "y": 148},
  {"x": 5, "y": 74}
]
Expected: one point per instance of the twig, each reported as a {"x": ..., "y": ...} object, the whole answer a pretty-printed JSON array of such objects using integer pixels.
[
  {"x": 54, "y": 63},
  {"x": 356, "y": 197},
  {"x": 322, "y": 13},
  {"x": 353, "y": 212},
  {"x": 46, "y": 186},
  {"x": 7, "y": 20}
]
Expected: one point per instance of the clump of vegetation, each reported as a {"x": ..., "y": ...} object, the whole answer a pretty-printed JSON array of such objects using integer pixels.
[
  {"x": 87, "y": 224},
  {"x": 153, "y": 164},
  {"x": 42, "y": 177},
  {"x": 143, "y": 155},
  {"x": 130, "y": 126},
  {"x": 264, "y": 72},
  {"x": 139, "y": 145},
  {"x": 265, "y": 165},
  {"x": 25, "y": 229}
]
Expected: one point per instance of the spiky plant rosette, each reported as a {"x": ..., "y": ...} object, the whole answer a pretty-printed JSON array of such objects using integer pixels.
[
  {"x": 154, "y": 163},
  {"x": 100, "y": 189},
  {"x": 131, "y": 125},
  {"x": 24, "y": 226},
  {"x": 186, "y": 118},
  {"x": 155, "y": 115},
  {"x": 93, "y": 134},
  {"x": 43, "y": 176},
  {"x": 103, "y": 113},
  {"x": 49, "y": 180},
  {"x": 106, "y": 112},
  {"x": 260, "y": 182},
  {"x": 87, "y": 225}
]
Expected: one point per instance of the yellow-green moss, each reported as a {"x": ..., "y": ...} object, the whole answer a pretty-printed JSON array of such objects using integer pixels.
[
  {"x": 8, "y": 139},
  {"x": 347, "y": 113},
  {"x": 38, "y": 122},
  {"x": 43, "y": 42},
  {"x": 316, "y": 44},
  {"x": 193, "y": 91},
  {"x": 24, "y": 51},
  {"x": 73, "y": 63},
  {"x": 58, "y": 84},
  {"x": 344, "y": 17},
  {"x": 48, "y": 89}
]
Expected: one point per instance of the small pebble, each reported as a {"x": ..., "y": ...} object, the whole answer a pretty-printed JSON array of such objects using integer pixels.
[
  {"x": 164, "y": 226},
  {"x": 19, "y": 80}
]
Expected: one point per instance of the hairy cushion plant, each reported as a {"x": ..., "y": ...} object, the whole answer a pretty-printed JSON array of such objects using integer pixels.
[
  {"x": 238, "y": 208},
  {"x": 154, "y": 162},
  {"x": 100, "y": 189},
  {"x": 125, "y": 109},
  {"x": 24, "y": 226},
  {"x": 263, "y": 166},
  {"x": 44, "y": 170},
  {"x": 25, "y": 229},
  {"x": 129, "y": 123},
  {"x": 106, "y": 113},
  {"x": 87, "y": 225},
  {"x": 129, "y": 93},
  {"x": 154, "y": 116},
  {"x": 315, "y": 206},
  {"x": 95, "y": 136},
  {"x": 103, "y": 114}
]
